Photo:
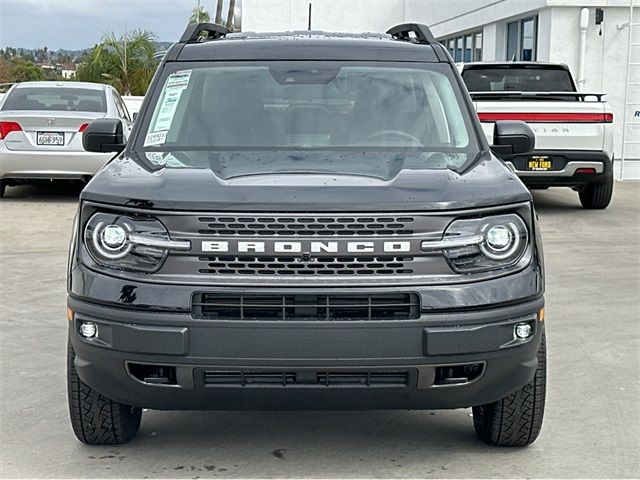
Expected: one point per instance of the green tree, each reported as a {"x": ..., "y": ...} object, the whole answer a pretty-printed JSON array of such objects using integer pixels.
[
  {"x": 127, "y": 62},
  {"x": 199, "y": 15},
  {"x": 7, "y": 74},
  {"x": 25, "y": 70}
]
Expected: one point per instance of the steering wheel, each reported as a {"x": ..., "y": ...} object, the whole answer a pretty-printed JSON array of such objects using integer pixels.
[{"x": 400, "y": 135}]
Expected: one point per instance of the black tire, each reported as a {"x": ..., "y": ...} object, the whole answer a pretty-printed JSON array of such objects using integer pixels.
[
  {"x": 516, "y": 420},
  {"x": 96, "y": 419},
  {"x": 597, "y": 196}
]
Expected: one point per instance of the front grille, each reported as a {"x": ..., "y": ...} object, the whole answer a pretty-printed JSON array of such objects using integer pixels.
[
  {"x": 346, "y": 307},
  {"x": 384, "y": 378},
  {"x": 242, "y": 265},
  {"x": 308, "y": 226}
]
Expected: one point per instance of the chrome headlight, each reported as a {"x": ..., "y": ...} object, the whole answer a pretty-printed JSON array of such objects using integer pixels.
[
  {"x": 129, "y": 243},
  {"x": 480, "y": 244}
]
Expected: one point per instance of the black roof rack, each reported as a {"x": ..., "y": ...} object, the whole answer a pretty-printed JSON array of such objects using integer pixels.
[
  {"x": 198, "y": 32},
  {"x": 421, "y": 33}
]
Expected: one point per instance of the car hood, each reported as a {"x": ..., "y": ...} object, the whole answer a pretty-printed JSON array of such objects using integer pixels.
[{"x": 487, "y": 182}]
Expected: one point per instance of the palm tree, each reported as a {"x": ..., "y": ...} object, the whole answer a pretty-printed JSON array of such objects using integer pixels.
[
  {"x": 127, "y": 62},
  {"x": 199, "y": 15},
  {"x": 219, "y": 12},
  {"x": 230, "y": 15}
]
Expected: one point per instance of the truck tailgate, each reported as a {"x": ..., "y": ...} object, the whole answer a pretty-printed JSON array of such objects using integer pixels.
[{"x": 558, "y": 125}]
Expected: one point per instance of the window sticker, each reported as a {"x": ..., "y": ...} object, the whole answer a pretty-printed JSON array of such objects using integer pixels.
[
  {"x": 179, "y": 79},
  {"x": 166, "y": 110},
  {"x": 155, "y": 138}
]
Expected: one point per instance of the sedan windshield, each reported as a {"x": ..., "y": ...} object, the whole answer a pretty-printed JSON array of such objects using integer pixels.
[{"x": 305, "y": 117}]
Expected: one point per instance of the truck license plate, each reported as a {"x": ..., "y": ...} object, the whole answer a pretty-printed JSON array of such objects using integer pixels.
[
  {"x": 539, "y": 164},
  {"x": 50, "y": 138}
]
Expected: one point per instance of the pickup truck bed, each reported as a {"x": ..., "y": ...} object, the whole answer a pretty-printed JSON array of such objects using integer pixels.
[{"x": 574, "y": 137}]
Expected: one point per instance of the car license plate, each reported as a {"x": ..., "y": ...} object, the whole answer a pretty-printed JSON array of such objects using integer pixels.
[
  {"x": 539, "y": 164},
  {"x": 50, "y": 138}
]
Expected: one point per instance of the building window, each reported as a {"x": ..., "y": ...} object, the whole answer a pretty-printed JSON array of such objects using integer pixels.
[
  {"x": 477, "y": 50},
  {"x": 522, "y": 38},
  {"x": 465, "y": 47}
]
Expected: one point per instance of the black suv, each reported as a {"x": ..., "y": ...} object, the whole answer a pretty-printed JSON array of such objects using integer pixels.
[{"x": 306, "y": 220}]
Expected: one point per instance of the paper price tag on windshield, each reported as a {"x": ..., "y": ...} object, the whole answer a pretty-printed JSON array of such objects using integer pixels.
[
  {"x": 179, "y": 80},
  {"x": 176, "y": 84},
  {"x": 155, "y": 138},
  {"x": 167, "y": 110}
]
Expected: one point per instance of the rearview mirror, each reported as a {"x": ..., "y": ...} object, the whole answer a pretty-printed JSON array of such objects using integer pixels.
[
  {"x": 512, "y": 137},
  {"x": 104, "y": 135}
]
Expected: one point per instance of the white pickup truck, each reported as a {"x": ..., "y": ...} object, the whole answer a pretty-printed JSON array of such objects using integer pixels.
[{"x": 574, "y": 136}]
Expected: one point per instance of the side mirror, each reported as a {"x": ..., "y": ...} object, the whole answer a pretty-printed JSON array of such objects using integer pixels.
[
  {"x": 104, "y": 135},
  {"x": 512, "y": 137}
]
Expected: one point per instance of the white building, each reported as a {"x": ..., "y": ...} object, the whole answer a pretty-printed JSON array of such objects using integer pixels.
[{"x": 543, "y": 30}]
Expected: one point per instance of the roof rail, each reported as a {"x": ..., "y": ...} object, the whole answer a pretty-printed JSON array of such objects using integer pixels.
[
  {"x": 422, "y": 33},
  {"x": 198, "y": 32}
]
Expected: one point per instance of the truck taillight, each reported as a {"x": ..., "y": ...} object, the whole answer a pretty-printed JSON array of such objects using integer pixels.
[
  {"x": 83, "y": 127},
  {"x": 548, "y": 117},
  {"x": 8, "y": 127}
]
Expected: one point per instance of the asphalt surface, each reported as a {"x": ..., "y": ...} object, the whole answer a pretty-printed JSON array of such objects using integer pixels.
[{"x": 592, "y": 423}]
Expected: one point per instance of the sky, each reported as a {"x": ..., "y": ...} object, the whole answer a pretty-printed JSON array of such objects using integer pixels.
[{"x": 78, "y": 24}]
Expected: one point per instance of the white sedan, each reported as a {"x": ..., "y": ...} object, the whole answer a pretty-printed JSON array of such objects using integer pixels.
[{"x": 41, "y": 125}]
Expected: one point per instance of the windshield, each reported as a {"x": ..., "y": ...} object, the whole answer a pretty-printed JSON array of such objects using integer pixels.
[
  {"x": 60, "y": 99},
  {"x": 518, "y": 79},
  {"x": 305, "y": 117}
]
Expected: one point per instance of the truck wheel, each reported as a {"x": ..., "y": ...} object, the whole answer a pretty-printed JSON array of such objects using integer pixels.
[
  {"x": 597, "y": 196},
  {"x": 515, "y": 421},
  {"x": 96, "y": 419}
]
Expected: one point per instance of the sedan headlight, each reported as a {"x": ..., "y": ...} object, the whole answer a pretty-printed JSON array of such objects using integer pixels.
[
  {"x": 480, "y": 244},
  {"x": 129, "y": 243}
]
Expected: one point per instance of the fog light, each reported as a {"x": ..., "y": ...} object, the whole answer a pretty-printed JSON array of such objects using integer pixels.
[
  {"x": 88, "y": 329},
  {"x": 523, "y": 330}
]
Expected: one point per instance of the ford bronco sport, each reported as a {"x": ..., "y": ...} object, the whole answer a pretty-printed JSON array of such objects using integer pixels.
[{"x": 306, "y": 220}]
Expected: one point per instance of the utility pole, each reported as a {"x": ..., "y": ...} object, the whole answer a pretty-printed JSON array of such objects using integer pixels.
[{"x": 198, "y": 13}]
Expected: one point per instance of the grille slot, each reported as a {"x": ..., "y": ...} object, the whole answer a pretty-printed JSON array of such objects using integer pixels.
[
  {"x": 308, "y": 226},
  {"x": 317, "y": 266},
  {"x": 352, "y": 307},
  {"x": 241, "y": 378}
]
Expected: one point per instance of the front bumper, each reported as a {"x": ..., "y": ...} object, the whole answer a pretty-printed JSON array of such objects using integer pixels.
[
  {"x": 214, "y": 364},
  {"x": 568, "y": 166},
  {"x": 56, "y": 165}
]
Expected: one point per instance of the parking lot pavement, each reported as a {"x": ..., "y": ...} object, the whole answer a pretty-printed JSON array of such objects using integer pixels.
[{"x": 592, "y": 426}]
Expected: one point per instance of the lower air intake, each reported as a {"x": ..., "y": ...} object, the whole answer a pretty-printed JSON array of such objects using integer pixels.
[
  {"x": 386, "y": 378},
  {"x": 344, "y": 307}
]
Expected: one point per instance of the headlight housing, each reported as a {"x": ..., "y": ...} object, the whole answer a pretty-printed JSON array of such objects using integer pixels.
[
  {"x": 129, "y": 243},
  {"x": 481, "y": 244}
]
